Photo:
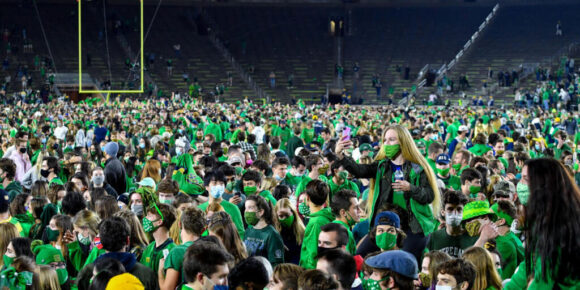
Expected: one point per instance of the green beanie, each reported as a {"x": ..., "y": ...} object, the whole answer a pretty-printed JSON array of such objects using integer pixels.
[{"x": 46, "y": 254}]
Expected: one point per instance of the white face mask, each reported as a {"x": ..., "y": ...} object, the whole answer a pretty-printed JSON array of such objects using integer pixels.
[
  {"x": 453, "y": 219},
  {"x": 438, "y": 287}
]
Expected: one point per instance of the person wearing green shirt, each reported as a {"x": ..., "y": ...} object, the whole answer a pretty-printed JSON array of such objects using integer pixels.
[
  {"x": 344, "y": 206},
  {"x": 316, "y": 195},
  {"x": 433, "y": 151},
  {"x": 262, "y": 238},
  {"x": 452, "y": 239},
  {"x": 508, "y": 245},
  {"x": 471, "y": 184},
  {"x": 552, "y": 260},
  {"x": 307, "y": 134},
  {"x": 316, "y": 170},
  {"x": 252, "y": 181},
  {"x": 7, "y": 182},
  {"x": 215, "y": 182},
  {"x": 206, "y": 265},
  {"x": 283, "y": 132},
  {"x": 214, "y": 129},
  {"x": 193, "y": 224},
  {"x": 443, "y": 175},
  {"x": 339, "y": 181},
  {"x": 296, "y": 173},
  {"x": 157, "y": 222},
  {"x": 460, "y": 162}
]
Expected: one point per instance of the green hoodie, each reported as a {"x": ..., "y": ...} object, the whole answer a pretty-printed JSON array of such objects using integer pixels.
[
  {"x": 310, "y": 242},
  {"x": 479, "y": 149},
  {"x": 520, "y": 280}
]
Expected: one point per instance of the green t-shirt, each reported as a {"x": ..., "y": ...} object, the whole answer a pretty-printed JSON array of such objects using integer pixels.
[
  {"x": 153, "y": 254},
  {"x": 293, "y": 181},
  {"x": 175, "y": 258},
  {"x": 307, "y": 135},
  {"x": 265, "y": 242},
  {"x": 351, "y": 246},
  {"x": 512, "y": 253},
  {"x": 452, "y": 245}
]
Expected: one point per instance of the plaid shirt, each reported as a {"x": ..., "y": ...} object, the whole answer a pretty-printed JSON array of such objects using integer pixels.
[{"x": 247, "y": 147}]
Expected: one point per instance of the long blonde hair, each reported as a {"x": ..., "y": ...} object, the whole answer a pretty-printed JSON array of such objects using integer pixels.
[
  {"x": 411, "y": 154},
  {"x": 47, "y": 277},
  {"x": 485, "y": 273},
  {"x": 297, "y": 225}
]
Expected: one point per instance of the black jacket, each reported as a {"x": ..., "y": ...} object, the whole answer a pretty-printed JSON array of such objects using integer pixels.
[{"x": 115, "y": 175}]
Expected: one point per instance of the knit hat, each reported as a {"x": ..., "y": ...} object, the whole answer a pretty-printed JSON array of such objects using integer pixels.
[
  {"x": 46, "y": 254},
  {"x": 125, "y": 281},
  {"x": 112, "y": 148},
  {"x": 476, "y": 209}
]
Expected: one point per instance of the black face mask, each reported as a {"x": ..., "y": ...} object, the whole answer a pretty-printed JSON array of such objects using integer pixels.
[
  {"x": 23, "y": 150},
  {"x": 44, "y": 173}
]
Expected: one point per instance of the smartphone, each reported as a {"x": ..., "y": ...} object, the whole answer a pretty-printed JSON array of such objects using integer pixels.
[
  {"x": 346, "y": 133},
  {"x": 238, "y": 193}
]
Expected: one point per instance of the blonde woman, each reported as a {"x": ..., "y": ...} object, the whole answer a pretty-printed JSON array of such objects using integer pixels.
[
  {"x": 291, "y": 229},
  {"x": 80, "y": 241},
  {"x": 414, "y": 191},
  {"x": 486, "y": 275},
  {"x": 47, "y": 277}
]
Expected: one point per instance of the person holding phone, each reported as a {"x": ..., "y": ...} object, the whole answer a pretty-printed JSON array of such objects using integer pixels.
[{"x": 401, "y": 176}]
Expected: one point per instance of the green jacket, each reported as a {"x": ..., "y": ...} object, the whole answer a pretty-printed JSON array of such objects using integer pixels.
[
  {"x": 310, "y": 242},
  {"x": 417, "y": 198},
  {"x": 347, "y": 184}
]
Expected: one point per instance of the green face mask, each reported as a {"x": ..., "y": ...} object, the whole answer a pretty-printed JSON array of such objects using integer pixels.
[
  {"x": 343, "y": 175},
  {"x": 386, "y": 241},
  {"x": 391, "y": 150},
  {"x": 457, "y": 167},
  {"x": 230, "y": 186},
  {"x": 523, "y": 192},
  {"x": 249, "y": 190},
  {"x": 52, "y": 235},
  {"x": 148, "y": 226},
  {"x": 502, "y": 172},
  {"x": 251, "y": 218},
  {"x": 474, "y": 189},
  {"x": 304, "y": 209},
  {"x": 62, "y": 276},
  {"x": 7, "y": 261},
  {"x": 287, "y": 222},
  {"x": 443, "y": 172},
  {"x": 370, "y": 284}
]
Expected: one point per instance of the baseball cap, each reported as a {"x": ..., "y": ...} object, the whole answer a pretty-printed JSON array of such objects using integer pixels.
[
  {"x": 443, "y": 159},
  {"x": 147, "y": 181},
  {"x": 397, "y": 261},
  {"x": 365, "y": 147},
  {"x": 505, "y": 185},
  {"x": 388, "y": 218},
  {"x": 463, "y": 128},
  {"x": 234, "y": 160}
]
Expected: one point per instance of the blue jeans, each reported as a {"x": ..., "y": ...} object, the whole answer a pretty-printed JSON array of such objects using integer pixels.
[{"x": 546, "y": 104}]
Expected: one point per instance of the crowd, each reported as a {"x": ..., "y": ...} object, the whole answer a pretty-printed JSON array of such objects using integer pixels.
[{"x": 181, "y": 194}]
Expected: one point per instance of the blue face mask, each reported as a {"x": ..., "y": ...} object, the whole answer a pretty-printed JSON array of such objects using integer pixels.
[{"x": 103, "y": 148}]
